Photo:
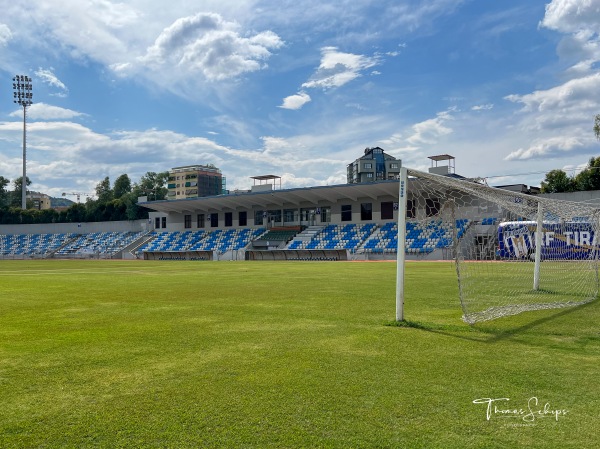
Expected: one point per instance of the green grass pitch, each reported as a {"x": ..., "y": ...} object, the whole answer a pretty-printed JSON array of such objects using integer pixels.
[{"x": 116, "y": 354}]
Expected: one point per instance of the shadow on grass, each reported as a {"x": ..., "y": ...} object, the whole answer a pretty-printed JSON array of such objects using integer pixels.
[{"x": 482, "y": 332}]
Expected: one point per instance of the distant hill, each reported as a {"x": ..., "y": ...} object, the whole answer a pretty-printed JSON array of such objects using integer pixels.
[{"x": 60, "y": 202}]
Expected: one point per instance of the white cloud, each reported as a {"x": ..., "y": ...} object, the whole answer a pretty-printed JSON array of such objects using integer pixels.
[
  {"x": 43, "y": 111},
  {"x": 554, "y": 146},
  {"x": 47, "y": 76},
  {"x": 555, "y": 119},
  {"x": 430, "y": 131},
  {"x": 63, "y": 153},
  {"x": 204, "y": 44},
  {"x": 338, "y": 68},
  {"x": 483, "y": 107},
  {"x": 570, "y": 16},
  {"x": 580, "y": 21},
  {"x": 560, "y": 106},
  {"x": 295, "y": 102},
  {"x": 393, "y": 140},
  {"x": 411, "y": 16},
  {"x": 5, "y": 34},
  {"x": 289, "y": 180},
  {"x": 558, "y": 121}
]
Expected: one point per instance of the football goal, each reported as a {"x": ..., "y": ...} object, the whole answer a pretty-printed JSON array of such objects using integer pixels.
[{"x": 513, "y": 252}]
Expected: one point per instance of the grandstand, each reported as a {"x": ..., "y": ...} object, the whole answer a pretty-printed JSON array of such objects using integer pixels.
[
  {"x": 359, "y": 219},
  {"x": 357, "y": 239}
]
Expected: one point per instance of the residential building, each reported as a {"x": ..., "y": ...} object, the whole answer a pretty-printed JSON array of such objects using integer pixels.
[
  {"x": 375, "y": 165},
  {"x": 39, "y": 201},
  {"x": 195, "y": 181}
]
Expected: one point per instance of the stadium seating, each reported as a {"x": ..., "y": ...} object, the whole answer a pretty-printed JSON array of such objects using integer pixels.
[
  {"x": 348, "y": 236},
  {"x": 218, "y": 240},
  {"x": 384, "y": 239},
  {"x": 278, "y": 235},
  {"x": 420, "y": 237},
  {"x": 172, "y": 241},
  {"x": 487, "y": 221},
  {"x": 32, "y": 244},
  {"x": 227, "y": 240},
  {"x": 99, "y": 243}
]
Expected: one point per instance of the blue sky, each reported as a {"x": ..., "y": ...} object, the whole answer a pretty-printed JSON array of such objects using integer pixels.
[{"x": 298, "y": 88}]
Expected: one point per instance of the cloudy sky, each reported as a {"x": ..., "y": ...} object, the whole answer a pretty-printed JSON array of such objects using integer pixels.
[{"x": 297, "y": 88}]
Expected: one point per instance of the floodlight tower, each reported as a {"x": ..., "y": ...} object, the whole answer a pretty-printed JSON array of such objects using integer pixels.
[{"x": 23, "y": 95}]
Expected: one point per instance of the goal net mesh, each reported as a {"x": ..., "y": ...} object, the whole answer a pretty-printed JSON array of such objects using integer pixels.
[{"x": 491, "y": 233}]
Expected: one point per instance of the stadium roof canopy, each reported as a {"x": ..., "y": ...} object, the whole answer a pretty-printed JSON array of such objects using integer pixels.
[{"x": 277, "y": 198}]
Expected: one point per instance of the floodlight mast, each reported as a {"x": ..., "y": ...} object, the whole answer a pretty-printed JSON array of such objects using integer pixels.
[{"x": 23, "y": 96}]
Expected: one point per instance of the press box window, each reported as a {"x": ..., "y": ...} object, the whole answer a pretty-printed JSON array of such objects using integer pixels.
[
  {"x": 387, "y": 210},
  {"x": 346, "y": 212},
  {"x": 258, "y": 217},
  {"x": 366, "y": 211}
]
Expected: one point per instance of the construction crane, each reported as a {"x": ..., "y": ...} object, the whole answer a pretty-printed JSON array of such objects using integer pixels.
[{"x": 77, "y": 194}]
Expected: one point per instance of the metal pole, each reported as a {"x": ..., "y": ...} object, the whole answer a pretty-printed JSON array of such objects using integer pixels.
[
  {"x": 401, "y": 256},
  {"x": 24, "y": 180},
  {"x": 538, "y": 246}
]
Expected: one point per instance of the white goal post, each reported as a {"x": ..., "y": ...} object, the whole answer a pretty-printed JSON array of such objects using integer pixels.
[{"x": 513, "y": 252}]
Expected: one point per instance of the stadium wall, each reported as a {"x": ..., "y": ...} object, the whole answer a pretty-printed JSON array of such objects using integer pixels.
[
  {"x": 301, "y": 254},
  {"x": 179, "y": 255},
  {"x": 588, "y": 196}
]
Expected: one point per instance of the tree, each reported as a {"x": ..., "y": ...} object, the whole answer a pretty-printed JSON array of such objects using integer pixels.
[
  {"x": 597, "y": 126},
  {"x": 4, "y": 195},
  {"x": 557, "y": 181},
  {"x": 17, "y": 197},
  {"x": 122, "y": 186},
  {"x": 153, "y": 185},
  {"x": 103, "y": 191},
  {"x": 76, "y": 213},
  {"x": 589, "y": 179}
]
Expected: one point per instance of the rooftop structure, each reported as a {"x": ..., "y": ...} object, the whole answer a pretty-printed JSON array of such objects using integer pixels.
[
  {"x": 447, "y": 169},
  {"x": 264, "y": 184}
]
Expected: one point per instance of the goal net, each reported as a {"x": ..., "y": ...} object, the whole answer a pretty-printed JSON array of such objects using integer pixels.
[{"x": 504, "y": 265}]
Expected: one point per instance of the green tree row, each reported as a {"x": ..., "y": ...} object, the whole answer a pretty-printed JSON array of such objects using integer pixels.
[
  {"x": 557, "y": 181},
  {"x": 112, "y": 203}
]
